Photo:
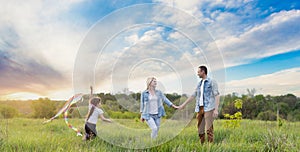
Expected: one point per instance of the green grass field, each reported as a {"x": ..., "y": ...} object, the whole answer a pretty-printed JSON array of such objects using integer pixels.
[{"x": 31, "y": 135}]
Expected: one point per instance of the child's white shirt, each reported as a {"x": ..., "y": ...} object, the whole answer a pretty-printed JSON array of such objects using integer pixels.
[{"x": 94, "y": 116}]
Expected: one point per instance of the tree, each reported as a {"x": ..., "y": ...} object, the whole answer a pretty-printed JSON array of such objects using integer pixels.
[
  {"x": 290, "y": 99},
  {"x": 43, "y": 108},
  {"x": 267, "y": 115},
  {"x": 249, "y": 109},
  {"x": 283, "y": 109},
  {"x": 294, "y": 115},
  {"x": 8, "y": 112}
]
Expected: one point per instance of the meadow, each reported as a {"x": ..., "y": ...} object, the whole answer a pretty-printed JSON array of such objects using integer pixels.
[{"x": 22, "y": 134}]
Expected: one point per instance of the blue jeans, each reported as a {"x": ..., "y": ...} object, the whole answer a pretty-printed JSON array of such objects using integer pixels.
[{"x": 154, "y": 123}]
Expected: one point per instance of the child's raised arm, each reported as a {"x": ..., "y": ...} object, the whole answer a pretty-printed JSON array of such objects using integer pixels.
[{"x": 91, "y": 95}]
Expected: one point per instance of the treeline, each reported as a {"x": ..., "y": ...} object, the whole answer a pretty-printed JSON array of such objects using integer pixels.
[
  {"x": 264, "y": 107},
  {"x": 41, "y": 108},
  {"x": 122, "y": 106}
]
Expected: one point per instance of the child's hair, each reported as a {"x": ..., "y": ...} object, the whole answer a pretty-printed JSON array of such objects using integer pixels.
[
  {"x": 94, "y": 102},
  {"x": 149, "y": 80}
]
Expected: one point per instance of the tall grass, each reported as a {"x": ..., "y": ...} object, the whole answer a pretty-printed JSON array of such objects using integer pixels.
[{"x": 31, "y": 135}]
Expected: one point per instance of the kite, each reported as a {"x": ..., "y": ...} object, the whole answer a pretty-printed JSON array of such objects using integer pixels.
[{"x": 65, "y": 110}]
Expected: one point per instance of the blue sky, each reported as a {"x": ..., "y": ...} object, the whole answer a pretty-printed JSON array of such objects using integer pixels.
[
  {"x": 264, "y": 66},
  {"x": 245, "y": 44}
]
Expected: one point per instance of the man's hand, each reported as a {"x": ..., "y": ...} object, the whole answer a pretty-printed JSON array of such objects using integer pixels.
[
  {"x": 181, "y": 107},
  {"x": 142, "y": 119},
  {"x": 216, "y": 113}
]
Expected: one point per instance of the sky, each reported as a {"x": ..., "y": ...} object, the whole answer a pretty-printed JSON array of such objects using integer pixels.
[{"x": 57, "y": 48}]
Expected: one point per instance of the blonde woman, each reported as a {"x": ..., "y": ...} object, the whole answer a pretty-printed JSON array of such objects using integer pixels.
[{"x": 151, "y": 106}]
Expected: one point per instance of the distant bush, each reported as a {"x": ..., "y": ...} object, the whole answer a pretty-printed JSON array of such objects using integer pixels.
[
  {"x": 8, "y": 112},
  {"x": 294, "y": 116},
  {"x": 267, "y": 115},
  {"x": 43, "y": 108}
]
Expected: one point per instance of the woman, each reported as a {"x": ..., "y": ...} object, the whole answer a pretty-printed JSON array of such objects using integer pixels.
[{"x": 152, "y": 108}]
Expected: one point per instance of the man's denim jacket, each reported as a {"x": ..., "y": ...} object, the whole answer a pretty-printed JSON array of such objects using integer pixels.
[{"x": 210, "y": 91}]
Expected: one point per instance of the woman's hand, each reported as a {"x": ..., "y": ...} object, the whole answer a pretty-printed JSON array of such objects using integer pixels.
[{"x": 175, "y": 107}]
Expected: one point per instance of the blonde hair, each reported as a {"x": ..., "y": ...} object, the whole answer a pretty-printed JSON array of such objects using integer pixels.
[
  {"x": 94, "y": 102},
  {"x": 149, "y": 80}
]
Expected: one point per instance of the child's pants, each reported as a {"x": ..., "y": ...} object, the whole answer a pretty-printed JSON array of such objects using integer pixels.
[{"x": 90, "y": 131}]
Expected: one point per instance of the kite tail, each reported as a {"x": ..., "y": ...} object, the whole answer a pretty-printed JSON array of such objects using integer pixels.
[
  {"x": 63, "y": 109},
  {"x": 74, "y": 99},
  {"x": 69, "y": 125}
]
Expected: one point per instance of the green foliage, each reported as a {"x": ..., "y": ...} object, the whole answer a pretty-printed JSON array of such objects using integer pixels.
[
  {"x": 43, "y": 108},
  {"x": 280, "y": 122},
  {"x": 238, "y": 103},
  {"x": 8, "y": 111},
  {"x": 263, "y": 107},
  {"x": 294, "y": 115},
  {"x": 283, "y": 109},
  {"x": 234, "y": 120},
  {"x": 267, "y": 115},
  {"x": 250, "y": 108},
  {"x": 253, "y": 106}
]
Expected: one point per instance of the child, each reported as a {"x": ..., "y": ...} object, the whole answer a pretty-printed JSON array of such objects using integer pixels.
[{"x": 92, "y": 117}]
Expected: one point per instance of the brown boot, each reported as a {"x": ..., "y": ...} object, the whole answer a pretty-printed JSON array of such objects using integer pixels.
[
  {"x": 210, "y": 134},
  {"x": 202, "y": 138}
]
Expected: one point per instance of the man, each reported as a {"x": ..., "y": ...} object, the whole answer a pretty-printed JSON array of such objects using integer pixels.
[{"x": 207, "y": 103}]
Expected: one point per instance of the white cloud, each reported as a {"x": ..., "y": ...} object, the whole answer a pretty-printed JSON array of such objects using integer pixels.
[
  {"x": 187, "y": 5},
  {"x": 150, "y": 55},
  {"x": 241, "y": 42},
  {"x": 35, "y": 35},
  {"x": 278, "y": 34},
  {"x": 132, "y": 39},
  {"x": 41, "y": 34},
  {"x": 151, "y": 35},
  {"x": 278, "y": 83}
]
